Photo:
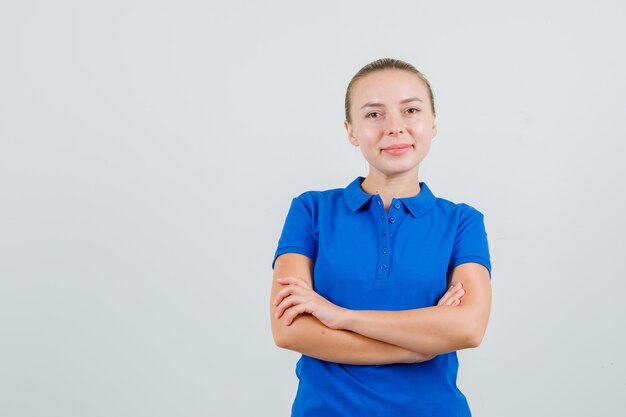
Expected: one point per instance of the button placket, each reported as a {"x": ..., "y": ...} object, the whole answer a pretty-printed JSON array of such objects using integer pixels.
[
  {"x": 394, "y": 219},
  {"x": 382, "y": 267}
]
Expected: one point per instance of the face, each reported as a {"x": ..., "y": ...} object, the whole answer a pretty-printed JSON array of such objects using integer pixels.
[{"x": 392, "y": 121}]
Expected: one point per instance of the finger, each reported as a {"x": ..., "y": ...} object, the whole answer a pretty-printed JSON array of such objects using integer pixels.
[
  {"x": 280, "y": 295},
  {"x": 293, "y": 312},
  {"x": 451, "y": 291},
  {"x": 455, "y": 297},
  {"x": 290, "y": 289},
  {"x": 447, "y": 301},
  {"x": 285, "y": 292},
  {"x": 294, "y": 281},
  {"x": 444, "y": 299},
  {"x": 288, "y": 303},
  {"x": 458, "y": 294}
]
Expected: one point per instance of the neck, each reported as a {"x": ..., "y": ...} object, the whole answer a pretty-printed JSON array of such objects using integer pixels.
[{"x": 391, "y": 186}]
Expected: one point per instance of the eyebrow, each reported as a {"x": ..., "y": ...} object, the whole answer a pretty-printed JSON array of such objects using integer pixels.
[{"x": 406, "y": 100}]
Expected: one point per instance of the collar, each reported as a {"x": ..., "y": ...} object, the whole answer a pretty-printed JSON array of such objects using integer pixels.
[{"x": 356, "y": 198}]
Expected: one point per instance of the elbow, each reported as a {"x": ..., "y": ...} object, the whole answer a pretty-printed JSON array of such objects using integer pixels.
[
  {"x": 474, "y": 340},
  {"x": 474, "y": 336},
  {"x": 281, "y": 341},
  {"x": 280, "y": 333},
  {"x": 474, "y": 325},
  {"x": 281, "y": 336}
]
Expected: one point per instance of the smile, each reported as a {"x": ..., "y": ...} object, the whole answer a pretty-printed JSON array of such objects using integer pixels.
[{"x": 397, "y": 149}]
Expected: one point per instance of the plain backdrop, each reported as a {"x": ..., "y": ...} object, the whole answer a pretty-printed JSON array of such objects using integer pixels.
[{"x": 149, "y": 151}]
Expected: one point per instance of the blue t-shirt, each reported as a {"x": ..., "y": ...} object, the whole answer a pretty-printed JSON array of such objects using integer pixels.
[{"x": 368, "y": 259}]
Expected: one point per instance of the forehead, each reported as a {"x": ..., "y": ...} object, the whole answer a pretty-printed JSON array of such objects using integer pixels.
[{"x": 389, "y": 85}]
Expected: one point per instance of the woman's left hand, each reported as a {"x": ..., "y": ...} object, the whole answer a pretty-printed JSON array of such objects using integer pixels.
[{"x": 297, "y": 297}]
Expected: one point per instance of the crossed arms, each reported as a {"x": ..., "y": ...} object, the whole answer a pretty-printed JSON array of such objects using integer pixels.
[{"x": 305, "y": 322}]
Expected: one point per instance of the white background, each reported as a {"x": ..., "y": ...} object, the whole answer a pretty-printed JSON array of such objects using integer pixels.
[{"x": 149, "y": 151}]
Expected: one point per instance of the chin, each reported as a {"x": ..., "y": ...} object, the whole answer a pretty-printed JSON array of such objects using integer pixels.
[{"x": 396, "y": 171}]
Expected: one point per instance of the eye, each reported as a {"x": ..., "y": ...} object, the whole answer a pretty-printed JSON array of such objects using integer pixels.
[
  {"x": 413, "y": 110},
  {"x": 372, "y": 115}
]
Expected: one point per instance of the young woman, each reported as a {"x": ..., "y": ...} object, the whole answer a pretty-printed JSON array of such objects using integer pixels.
[{"x": 380, "y": 283}]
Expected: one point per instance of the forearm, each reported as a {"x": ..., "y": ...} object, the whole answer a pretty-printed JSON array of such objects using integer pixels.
[
  {"x": 307, "y": 335},
  {"x": 310, "y": 337},
  {"x": 431, "y": 330}
]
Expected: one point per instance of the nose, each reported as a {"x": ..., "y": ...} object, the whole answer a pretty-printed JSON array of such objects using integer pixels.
[{"x": 394, "y": 125}]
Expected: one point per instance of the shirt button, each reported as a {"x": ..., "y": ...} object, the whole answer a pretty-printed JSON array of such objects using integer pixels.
[
  {"x": 382, "y": 218},
  {"x": 390, "y": 234},
  {"x": 397, "y": 205},
  {"x": 385, "y": 251},
  {"x": 383, "y": 267},
  {"x": 392, "y": 220}
]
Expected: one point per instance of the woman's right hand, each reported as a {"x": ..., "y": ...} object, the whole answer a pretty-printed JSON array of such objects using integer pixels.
[{"x": 452, "y": 297}]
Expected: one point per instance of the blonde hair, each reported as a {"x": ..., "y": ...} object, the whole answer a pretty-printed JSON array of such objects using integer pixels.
[{"x": 385, "y": 64}]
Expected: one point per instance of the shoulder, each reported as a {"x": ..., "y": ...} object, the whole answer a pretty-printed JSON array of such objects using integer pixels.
[
  {"x": 459, "y": 211},
  {"x": 465, "y": 222},
  {"x": 315, "y": 200}
]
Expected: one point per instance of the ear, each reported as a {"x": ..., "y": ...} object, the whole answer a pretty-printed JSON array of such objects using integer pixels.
[
  {"x": 351, "y": 137},
  {"x": 434, "y": 128}
]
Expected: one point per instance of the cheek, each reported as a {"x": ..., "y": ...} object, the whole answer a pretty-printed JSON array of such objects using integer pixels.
[
  {"x": 369, "y": 150},
  {"x": 421, "y": 131},
  {"x": 368, "y": 134}
]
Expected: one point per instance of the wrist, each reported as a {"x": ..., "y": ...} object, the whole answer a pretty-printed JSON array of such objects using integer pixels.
[{"x": 348, "y": 319}]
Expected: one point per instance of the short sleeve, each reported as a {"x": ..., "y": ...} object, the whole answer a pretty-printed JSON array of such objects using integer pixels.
[
  {"x": 470, "y": 242},
  {"x": 298, "y": 235}
]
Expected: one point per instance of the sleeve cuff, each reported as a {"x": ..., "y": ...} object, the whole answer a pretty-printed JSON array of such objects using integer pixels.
[
  {"x": 466, "y": 259},
  {"x": 293, "y": 249}
]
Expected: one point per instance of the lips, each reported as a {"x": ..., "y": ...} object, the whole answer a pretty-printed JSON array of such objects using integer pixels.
[{"x": 398, "y": 149}]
